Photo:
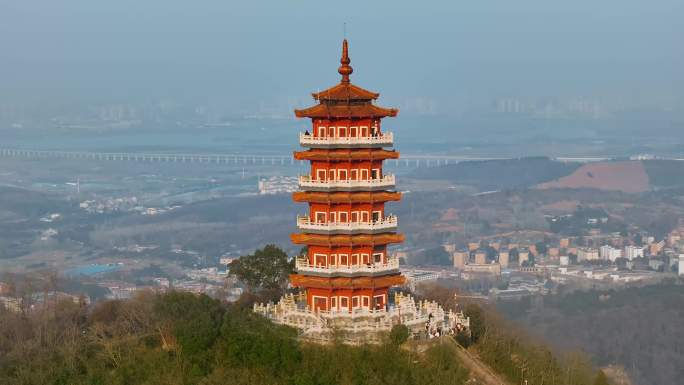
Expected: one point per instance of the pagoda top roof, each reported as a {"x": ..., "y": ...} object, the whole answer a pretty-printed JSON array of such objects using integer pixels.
[
  {"x": 345, "y": 92},
  {"x": 345, "y": 100},
  {"x": 346, "y": 111}
]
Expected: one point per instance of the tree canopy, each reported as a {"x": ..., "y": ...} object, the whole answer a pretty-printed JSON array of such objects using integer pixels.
[{"x": 266, "y": 268}]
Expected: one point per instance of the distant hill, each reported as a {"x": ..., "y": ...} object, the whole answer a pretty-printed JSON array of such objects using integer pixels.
[
  {"x": 544, "y": 173},
  {"x": 665, "y": 173},
  {"x": 626, "y": 176},
  {"x": 500, "y": 174}
]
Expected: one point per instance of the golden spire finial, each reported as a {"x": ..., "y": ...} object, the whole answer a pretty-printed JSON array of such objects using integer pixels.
[{"x": 345, "y": 69}]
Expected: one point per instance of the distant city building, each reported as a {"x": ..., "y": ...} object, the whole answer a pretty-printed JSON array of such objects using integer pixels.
[
  {"x": 681, "y": 265},
  {"x": 460, "y": 259},
  {"x": 632, "y": 252},
  {"x": 656, "y": 247},
  {"x": 587, "y": 254},
  {"x": 609, "y": 253},
  {"x": 564, "y": 260},
  {"x": 523, "y": 256},
  {"x": 449, "y": 248},
  {"x": 487, "y": 268},
  {"x": 480, "y": 257},
  {"x": 504, "y": 258},
  {"x": 5, "y": 288},
  {"x": 655, "y": 264}
]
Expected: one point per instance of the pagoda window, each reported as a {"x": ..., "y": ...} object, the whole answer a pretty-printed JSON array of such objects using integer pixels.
[
  {"x": 364, "y": 216},
  {"x": 331, "y": 131},
  {"x": 379, "y": 301},
  {"x": 355, "y": 216},
  {"x": 364, "y": 259},
  {"x": 364, "y": 131},
  {"x": 333, "y": 217},
  {"x": 355, "y": 301},
  {"x": 342, "y": 132},
  {"x": 333, "y": 302},
  {"x": 377, "y": 258},
  {"x": 320, "y": 174},
  {"x": 354, "y": 259},
  {"x": 320, "y": 303},
  {"x": 319, "y": 260},
  {"x": 376, "y": 216},
  {"x": 353, "y": 131},
  {"x": 342, "y": 174},
  {"x": 332, "y": 261},
  {"x": 365, "y": 301},
  {"x": 354, "y": 174},
  {"x": 364, "y": 174},
  {"x": 344, "y": 302},
  {"x": 343, "y": 217},
  {"x": 321, "y": 131},
  {"x": 320, "y": 217},
  {"x": 343, "y": 259},
  {"x": 375, "y": 173}
]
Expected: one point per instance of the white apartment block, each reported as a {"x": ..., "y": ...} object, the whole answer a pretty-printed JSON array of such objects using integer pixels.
[
  {"x": 587, "y": 254},
  {"x": 609, "y": 253},
  {"x": 632, "y": 252}
]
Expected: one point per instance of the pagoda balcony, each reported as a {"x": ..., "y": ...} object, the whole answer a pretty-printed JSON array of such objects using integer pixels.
[
  {"x": 381, "y": 140},
  {"x": 384, "y": 225},
  {"x": 384, "y": 183},
  {"x": 392, "y": 266}
]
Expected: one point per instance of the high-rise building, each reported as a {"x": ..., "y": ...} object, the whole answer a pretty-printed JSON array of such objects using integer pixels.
[
  {"x": 504, "y": 258},
  {"x": 632, "y": 252},
  {"x": 609, "y": 253},
  {"x": 461, "y": 259},
  {"x": 587, "y": 254},
  {"x": 345, "y": 268},
  {"x": 480, "y": 257}
]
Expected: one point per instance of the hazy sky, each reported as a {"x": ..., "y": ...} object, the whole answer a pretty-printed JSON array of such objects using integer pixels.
[{"x": 245, "y": 51}]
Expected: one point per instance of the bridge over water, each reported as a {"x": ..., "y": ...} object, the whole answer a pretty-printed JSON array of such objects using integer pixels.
[{"x": 247, "y": 159}]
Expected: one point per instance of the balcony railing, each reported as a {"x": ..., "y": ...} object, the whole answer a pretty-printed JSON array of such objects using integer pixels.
[
  {"x": 385, "y": 224},
  {"x": 308, "y": 183},
  {"x": 392, "y": 264},
  {"x": 383, "y": 139}
]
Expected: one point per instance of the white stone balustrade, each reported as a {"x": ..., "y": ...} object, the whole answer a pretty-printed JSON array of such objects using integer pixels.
[
  {"x": 380, "y": 140},
  {"x": 360, "y": 324},
  {"x": 389, "y": 223},
  {"x": 302, "y": 265},
  {"x": 306, "y": 182}
]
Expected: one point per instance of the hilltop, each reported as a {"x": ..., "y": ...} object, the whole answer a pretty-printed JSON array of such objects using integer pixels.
[{"x": 182, "y": 338}]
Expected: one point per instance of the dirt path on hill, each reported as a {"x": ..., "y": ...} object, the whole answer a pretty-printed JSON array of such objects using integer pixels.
[{"x": 480, "y": 373}]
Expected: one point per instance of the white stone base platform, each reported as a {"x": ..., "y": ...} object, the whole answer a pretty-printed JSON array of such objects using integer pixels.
[{"x": 363, "y": 326}]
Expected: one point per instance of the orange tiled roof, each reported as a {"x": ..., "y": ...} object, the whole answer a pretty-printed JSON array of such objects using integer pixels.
[
  {"x": 345, "y": 100},
  {"x": 346, "y": 110},
  {"x": 345, "y": 92},
  {"x": 344, "y": 154}
]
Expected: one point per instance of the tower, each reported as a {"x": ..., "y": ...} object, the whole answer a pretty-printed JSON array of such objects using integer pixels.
[
  {"x": 346, "y": 230},
  {"x": 345, "y": 273}
]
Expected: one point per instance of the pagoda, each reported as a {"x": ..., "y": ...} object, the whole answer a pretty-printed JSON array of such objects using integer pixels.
[{"x": 346, "y": 272}]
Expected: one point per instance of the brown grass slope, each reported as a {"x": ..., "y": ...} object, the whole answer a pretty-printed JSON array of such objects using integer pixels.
[{"x": 625, "y": 176}]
